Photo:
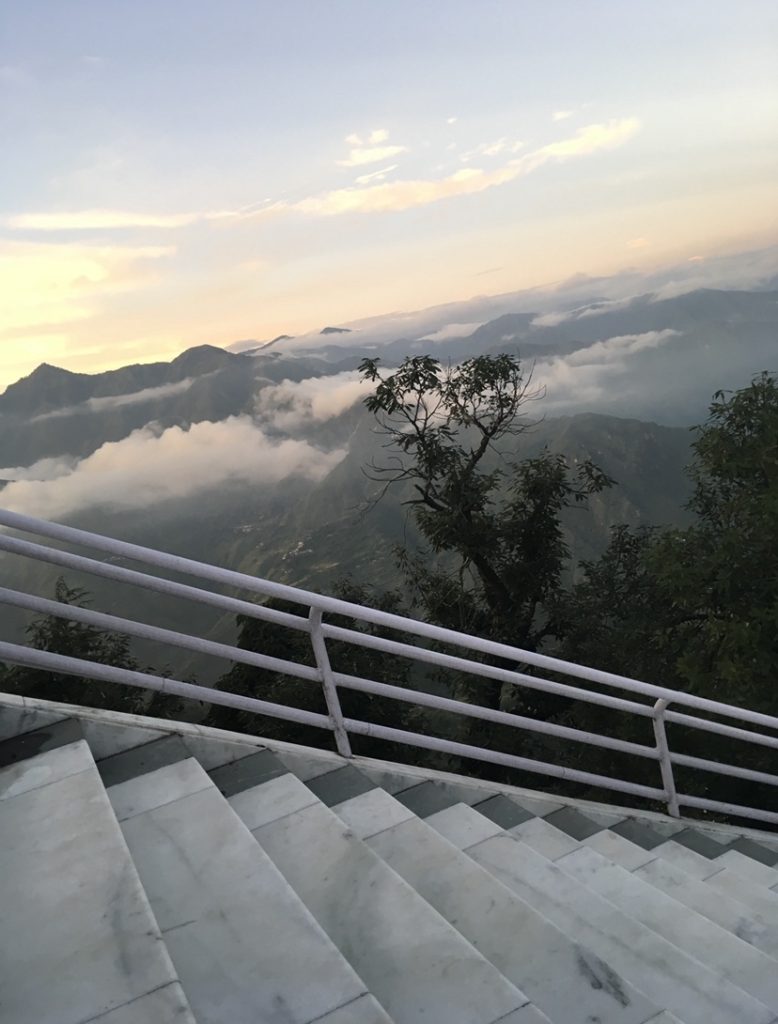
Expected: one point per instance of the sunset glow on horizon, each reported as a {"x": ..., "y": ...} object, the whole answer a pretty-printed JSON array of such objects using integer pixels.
[{"x": 183, "y": 174}]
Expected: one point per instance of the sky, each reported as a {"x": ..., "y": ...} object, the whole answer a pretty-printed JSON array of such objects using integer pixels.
[{"x": 187, "y": 172}]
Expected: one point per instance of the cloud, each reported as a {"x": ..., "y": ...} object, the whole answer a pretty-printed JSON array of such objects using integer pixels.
[
  {"x": 111, "y": 220},
  {"x": 562, "y": 115},
  {"x": 490, "y": 149},
  {"x": 365, "y": 179},
  {"x": 92, "y": 405},
  {"x": 451, "y": 120},
  {"x": 361, "y": 155},
  {"x": 149, "y": 467},
  {"x": 582, "y": 312},
  {"x": 452, "y": 331},
  {"x": 379, "y": 135},
  {"x": 614, "y": 349},
  {"x": 592, "y": 138},
  {"x": 43, "y": 469},
  {"x": 292, "y": 404},
  {"x": 589, "y": 376},
  {"x": 405, "y": 194}
]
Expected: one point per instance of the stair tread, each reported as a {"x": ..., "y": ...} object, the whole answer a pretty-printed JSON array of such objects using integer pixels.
[
  {"x": 518, "y": 939},
  {"x": 726, "y": 911},
  {"x": 412, "y": 960},
  {"x": 743, "y": 965},
  {"x": 228, "y": 916},
  {"x": 666, "y": 975},
  {"x": 72, "y": 900}
]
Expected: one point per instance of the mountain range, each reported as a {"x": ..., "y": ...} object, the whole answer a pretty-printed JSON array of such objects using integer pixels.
[{"x": 255, "y": 459}]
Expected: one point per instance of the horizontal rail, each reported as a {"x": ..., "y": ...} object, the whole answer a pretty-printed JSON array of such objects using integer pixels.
[
  {"x": 47, "y": 661},
  {"x": 587, "y": 684},
  {"x": 336, "y": 606},
  {"x": 736, "y": 810}
]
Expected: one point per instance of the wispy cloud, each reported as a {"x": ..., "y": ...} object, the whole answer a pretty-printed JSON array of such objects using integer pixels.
[
  {"x": 365, "y": 179},
  {"x": 92, "y": 405},
  {"x": 103, "y": 220},
  {"x": 405, "y": 194},
  {"x": 370, "y": 149},
  {"x": 562, "y": 115}
]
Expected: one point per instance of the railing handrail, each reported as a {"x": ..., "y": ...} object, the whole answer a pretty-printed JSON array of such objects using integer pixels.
[
  {"x": 331, "y": 681},
  {"x": 364, "y": 613}
]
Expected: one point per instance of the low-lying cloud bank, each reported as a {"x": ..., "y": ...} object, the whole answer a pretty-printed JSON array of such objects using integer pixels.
[
  {"x": 117, "y": 401},
  {"x": 585, "y": 377},
  {"x": 293, "y": 404},
  {"x": 150, "y": 466}
]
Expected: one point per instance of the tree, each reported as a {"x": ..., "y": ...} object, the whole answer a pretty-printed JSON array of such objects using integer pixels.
[
  {"x": 60, "y": 635},
  {"x": 277, "y": 641},
  {"x": 492, "y": 520},
  {"x": 496, "y": 515},
  {"x": 697, "y": 609}
]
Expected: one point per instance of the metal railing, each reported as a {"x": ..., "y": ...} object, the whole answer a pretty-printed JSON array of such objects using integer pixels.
[{"x": 312, "y": 623}]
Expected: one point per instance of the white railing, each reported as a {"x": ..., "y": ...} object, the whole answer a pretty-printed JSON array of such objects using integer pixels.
[{"x": 312, "y": 623}]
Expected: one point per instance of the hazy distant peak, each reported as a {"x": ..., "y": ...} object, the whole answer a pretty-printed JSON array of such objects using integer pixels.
[{"x": 336, "y": 330}]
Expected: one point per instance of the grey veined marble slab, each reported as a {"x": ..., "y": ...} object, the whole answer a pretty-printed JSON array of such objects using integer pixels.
[
  {"x": 245, "y": 947},
  {"x": 419, "y": 968},
  {"x": 666, "y": 974},
  {"x": 512, "y": 935},
  {"x": 731, "y": 958},
  {"x": 80, "y": 942}
]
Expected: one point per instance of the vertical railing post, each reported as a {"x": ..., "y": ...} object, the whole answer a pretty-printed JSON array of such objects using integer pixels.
[
  {"x": 328, "y": 683},
  {"x": 665, "y": 764}
]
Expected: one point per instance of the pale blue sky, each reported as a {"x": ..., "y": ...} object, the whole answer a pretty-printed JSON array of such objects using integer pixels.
[{"x": 178, "y": 171}]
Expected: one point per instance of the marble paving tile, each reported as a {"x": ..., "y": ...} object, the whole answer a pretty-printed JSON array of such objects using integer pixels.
[
  {"x": 517, "y": 939},
  {"x": 463, "y": 826},
  {"x": 107, "y": 740},
  {"x": 693, "y": 863},
  {"x": 280, "y": 796},
  {"x": 43, "y": 769},
  {"x": 371, "y": 812},
  {"x": 749, "y": 868},
  {"x": 417, "y": 966},
  {"x": 245, "y": 947},
  {"x": 741, "y": 964},
  {"x": 162, "y": 786},
  {"x": 17, "y": 720},
  {"x": 665, "y": 974},
  {"x": 166, "y": 1005},
  {"x": 763, "y": 900},
  {"x": 618, "y": 849},
  {"x": 84, "y": 940},
  {"x": 308, "y": 766},
  {"x": 527, "y": 1014},
  {"x": 725, "y": 911},
  {"x": 364, "y": 1010},
  {"x": 544, "y": 838}
]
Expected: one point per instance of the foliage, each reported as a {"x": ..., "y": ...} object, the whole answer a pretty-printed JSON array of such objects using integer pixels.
[
  {"x": 60, "y": 635},
  {"x": 497, "y": 518},
  {"x": 697, "y": 609},
  {"x": 277, "y": 641}
]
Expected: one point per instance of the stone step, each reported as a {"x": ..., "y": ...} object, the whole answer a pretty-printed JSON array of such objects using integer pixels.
[
  {"x": 748, "y": 867},
  {"x": 743, "y": 965},
  {"x": 80, "y": 941},
  {"x": 418, "y": 966},
  {"x": 665, "y": 974},
  {"x": 245, "y": 947},
  {"x": 517, "y": 939},
  {"x": 718, "y": 907},
  {"x": 721, "y": 879}
]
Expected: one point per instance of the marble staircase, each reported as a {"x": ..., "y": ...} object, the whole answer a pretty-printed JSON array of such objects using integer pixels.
[{"x": 155, "y": 872}]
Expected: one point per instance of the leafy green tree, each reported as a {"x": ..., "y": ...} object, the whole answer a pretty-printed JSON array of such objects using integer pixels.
[
  {"x": 492, "y": 519},
  {"x": 276, "y": 641},
  {"x": 60, "y": 635},
  {"x": 697, "y": 609}
]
